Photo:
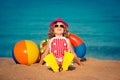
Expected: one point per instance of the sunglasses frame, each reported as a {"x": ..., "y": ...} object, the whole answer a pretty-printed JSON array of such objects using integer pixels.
[{"x": 62, "y": 26}]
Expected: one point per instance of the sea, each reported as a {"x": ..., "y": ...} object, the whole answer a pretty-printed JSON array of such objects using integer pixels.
[{"x": 96, "y": 22}]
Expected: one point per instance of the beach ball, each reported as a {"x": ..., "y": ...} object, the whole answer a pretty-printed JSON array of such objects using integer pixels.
[
  {"x": 78, "y": 45},
  {"x": 25, "y": 52}
]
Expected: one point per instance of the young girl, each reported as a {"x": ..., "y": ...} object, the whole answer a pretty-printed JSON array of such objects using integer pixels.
[{"x": 59, "y": 47}]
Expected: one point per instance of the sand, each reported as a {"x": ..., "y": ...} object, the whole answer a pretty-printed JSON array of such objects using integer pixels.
[{"x": 93, "y": 69}]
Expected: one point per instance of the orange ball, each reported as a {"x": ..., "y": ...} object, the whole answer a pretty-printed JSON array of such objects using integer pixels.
[
  {"x": 75, "y": 40},
  {"x": 26, "y": 52}
]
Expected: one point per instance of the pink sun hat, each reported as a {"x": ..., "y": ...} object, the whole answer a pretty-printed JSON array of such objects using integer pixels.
[{"x": 58, "y": 20}]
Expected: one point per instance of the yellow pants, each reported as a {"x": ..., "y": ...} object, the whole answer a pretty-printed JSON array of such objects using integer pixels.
[{"x": 51, "y": 61}]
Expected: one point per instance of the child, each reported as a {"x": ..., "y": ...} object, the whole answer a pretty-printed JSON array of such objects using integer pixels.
[{"x": 59, "y": 47}]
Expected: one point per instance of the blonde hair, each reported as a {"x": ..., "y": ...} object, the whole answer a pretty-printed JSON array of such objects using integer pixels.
[{"x": 51, "y": 32}]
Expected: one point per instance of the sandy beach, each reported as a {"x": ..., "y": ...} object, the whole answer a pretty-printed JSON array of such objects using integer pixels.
[{"x": 93, "y": 69}]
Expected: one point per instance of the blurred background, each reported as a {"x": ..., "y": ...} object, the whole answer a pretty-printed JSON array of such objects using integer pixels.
[{"x": 97, "y": 22}]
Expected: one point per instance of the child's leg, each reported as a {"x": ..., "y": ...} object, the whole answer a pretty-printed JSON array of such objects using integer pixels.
[
  {"x": 68, "y": 57},
  {"x": 51, "y": 61}
]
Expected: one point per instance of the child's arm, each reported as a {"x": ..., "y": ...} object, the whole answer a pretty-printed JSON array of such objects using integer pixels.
[
  {"x": 75, "y": 56},
  {"x": 44, "y": 54}
]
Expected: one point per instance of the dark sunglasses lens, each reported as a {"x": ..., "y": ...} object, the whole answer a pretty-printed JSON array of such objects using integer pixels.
[
  {"x": 56, "y": 25},
  {"x": 61, "y": 26}
]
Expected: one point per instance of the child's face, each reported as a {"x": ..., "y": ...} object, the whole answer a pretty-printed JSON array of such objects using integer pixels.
[{"x": 59, "y": 28}]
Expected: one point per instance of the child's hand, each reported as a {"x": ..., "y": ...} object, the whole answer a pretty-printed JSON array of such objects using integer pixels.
[
  {"x": 81, "y": 64},
  {"x": 41, "y": 62}
]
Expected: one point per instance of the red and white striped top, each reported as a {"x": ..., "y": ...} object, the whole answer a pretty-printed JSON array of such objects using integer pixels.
[{"x": 58, "y": 45}]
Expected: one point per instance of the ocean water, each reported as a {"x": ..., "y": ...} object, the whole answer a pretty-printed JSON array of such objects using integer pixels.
[{"x": 97, "y": 22}]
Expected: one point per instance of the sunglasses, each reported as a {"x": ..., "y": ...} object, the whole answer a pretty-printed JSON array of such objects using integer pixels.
[{"x": 62, "y": 26}]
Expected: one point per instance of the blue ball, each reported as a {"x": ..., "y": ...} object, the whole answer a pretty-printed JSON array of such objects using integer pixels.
[{"x": 80, "y": 50}]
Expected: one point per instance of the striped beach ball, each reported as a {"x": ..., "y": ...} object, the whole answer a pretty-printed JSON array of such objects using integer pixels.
[
  {"x": 25, "y": 52},
  {"x": 78, "y": 45}
]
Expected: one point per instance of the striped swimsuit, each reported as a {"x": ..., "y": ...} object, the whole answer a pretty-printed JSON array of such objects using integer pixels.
[{"x": 59, "y": 45}]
